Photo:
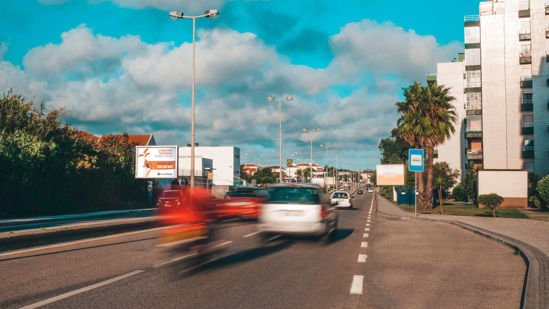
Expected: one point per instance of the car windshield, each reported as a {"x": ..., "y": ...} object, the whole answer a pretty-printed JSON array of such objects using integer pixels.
[
  {"x": 301, "y": 195},
  {"x": 171, "y": 194},
  {"x": 340, "y": 195}
]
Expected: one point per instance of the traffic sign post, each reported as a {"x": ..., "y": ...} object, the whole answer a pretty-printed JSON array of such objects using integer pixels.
[{"x": 415, "y": 164}]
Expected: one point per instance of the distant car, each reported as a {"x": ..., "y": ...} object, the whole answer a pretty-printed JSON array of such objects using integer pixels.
[
  {"x": 243, "y": 202},
  {"x": 359, "y": 192},
  {"x": 297, "y": 209},
  {"x": 341, "y": 199},
  {"x": 170, "y": 199}
]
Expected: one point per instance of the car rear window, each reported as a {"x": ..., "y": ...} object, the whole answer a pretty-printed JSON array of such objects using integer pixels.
[
  {"x": 294, "y": 195},
  {"x": 340, "y": 195},
  {"x": 171, "y": 194}
]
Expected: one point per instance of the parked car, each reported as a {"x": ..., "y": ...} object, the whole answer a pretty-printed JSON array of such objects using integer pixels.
[
  {"x": 359, "y": 191},
  {"x": 243, "y": 202},
  {"x": 341, "y": 199},
  {"x": 297, "y": 209}
]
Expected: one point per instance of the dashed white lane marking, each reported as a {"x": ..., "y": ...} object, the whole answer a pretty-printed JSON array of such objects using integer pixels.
[
  {"x": 367, "y": 224},
  {"x": 366, "y": 229},
  {"x": 356, "y": 286},
  {"x": 362, "y": 258},
  {"x": 251, "y": 234},
  {"x": 365, "y": 235},
  {"x": 190, "y": 255},
  {"x": 364, "y": 244},
  {"x": 82, "y": 290},
  {"x": 83, "y": 241}
]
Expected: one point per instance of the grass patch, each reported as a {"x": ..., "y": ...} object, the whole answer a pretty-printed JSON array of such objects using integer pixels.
[{"x": 470, "y": 210}]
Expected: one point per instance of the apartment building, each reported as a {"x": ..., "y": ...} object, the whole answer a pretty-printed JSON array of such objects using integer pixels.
[
  {"x": 507, "y": 85},
  {"x": 453, "y": 150}
]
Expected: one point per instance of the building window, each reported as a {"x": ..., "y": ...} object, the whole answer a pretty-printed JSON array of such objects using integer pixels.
[
  {"x": 527, "y": 120},
  {"x": 474, "y": 123},
  {"x": 472, "y": 35},
  {"x": 526, "y": 98},
  {"x": 473, "y": 101},
  {"x": 472, "y": 79},
  {"x": 472, "y": 56}
]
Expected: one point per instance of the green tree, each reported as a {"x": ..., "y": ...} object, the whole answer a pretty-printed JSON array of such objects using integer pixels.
[
  {"x": 264, "y": 176},
  {"x": 459, "y": 193},
  {"x": 444, "y": 178},
  {"x": 491, "y": 201},
  {"x": 543, "y": 189},
  {"x": 470, "y": 182},
  {"x": 427, "y": 119}
]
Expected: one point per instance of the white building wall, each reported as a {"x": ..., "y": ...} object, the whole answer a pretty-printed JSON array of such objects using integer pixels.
[
  {"x": 226, "y": 162},
  {"x": 453, "y": 150},
  {"x": 494, "y": 113}
]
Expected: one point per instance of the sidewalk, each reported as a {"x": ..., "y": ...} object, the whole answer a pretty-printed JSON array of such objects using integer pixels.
[{"x": 531, "y": 237}]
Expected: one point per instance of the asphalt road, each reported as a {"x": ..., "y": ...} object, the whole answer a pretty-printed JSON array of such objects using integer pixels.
[{"x": 367, "y": 265}]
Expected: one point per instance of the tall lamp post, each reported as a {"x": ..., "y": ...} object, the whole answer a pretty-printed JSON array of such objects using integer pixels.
[
  {"x": 311, "y": 132},
  {"x": 176, "y": 16},
  {"x": 326, "y": 146},
  {"x": 273, "y": 99}
]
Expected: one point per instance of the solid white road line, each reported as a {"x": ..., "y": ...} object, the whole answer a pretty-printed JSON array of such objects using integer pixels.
[
  {"x": 82, "y": 241},
  {"x": 362, "y": 258},
  {"x": 82, "y": 290},
  {"x": 365, "y": 235},
  {"x": 251, "y": 234},
  {"x": 364, "y": 244},
  {"x": 356, "y": 286}
]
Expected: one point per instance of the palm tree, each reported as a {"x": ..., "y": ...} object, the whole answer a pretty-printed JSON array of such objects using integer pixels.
[
  {"x": 440, "y": 111},
  {"x": 427, "y": 119}
]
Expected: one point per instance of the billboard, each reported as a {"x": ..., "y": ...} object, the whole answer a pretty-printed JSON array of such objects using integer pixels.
[
  {"x": 390, "y": 174},
  {"x": 156, "y": 162}
]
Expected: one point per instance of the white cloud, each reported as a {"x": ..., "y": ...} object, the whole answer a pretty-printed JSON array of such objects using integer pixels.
[{"x": 125, "y": 84}]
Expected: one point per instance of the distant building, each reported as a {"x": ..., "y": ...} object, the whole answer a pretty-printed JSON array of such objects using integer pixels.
[
  {"x": 225, "y": 161},
  {"x": 249, "y": 168}
]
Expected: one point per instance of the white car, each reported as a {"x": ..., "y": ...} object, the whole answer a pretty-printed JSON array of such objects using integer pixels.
[
  {"x": 297, "y": 209},
  {"x": 341, "y": 199}
]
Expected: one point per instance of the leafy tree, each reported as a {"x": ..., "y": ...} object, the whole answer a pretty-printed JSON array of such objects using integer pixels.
[
  {"x": 264, "y": 176},
  {"x": 491, "y": 201},
  {"x": 393, "y": 149},
  {"x": 459, "y": 193},
  {"x": 427, "y": 119},
  {"x": 470, "y": 182},
  {"x": 535, "y": 198},
  {"x": 444, "y": 178},
  {"x": 543, "y": 189}
]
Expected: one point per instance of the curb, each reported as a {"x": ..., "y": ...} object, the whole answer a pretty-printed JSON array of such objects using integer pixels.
[
  {"x": 535, "y": 292},
  {"x": 38, "y": 235}
]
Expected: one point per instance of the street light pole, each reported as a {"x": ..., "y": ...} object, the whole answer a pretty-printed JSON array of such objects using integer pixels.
[
  {"x": 179, "y": 15},
  {"x": 311, "y": 132},
  {"x": 327, "y": 167},
  {"x": 272, "y": 99}
]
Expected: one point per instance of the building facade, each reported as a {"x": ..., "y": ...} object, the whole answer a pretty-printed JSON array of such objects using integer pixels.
[
  {"x": 507, "y": 85},
  {"x": 225, "y": 161}
]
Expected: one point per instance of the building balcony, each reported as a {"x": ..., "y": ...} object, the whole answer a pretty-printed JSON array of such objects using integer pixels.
[
  {"x": 471, "y": 112},
  {"x": 474, "y": 154},
  {"x": 473, "y": 134},
  {"x": 525, "y": 58},
  {"x": 547, "y": 32},
  {"x": 526, "y": 83},
  {"x": 527, "y": 129},
  {"x": 528, "y": 152},
  {"x": 525, "y": 36},
  {"x": 546, "y": 8},
  {"x": 526, "y": 106}
]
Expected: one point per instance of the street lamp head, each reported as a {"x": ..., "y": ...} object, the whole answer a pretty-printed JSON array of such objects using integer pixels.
[
  {"x": 212, "y": 13},
  {"x": 175, "y": 15},
  {"x": 271, "y": 99}
]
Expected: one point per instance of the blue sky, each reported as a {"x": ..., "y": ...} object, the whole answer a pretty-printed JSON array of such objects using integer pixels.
[{"x": 123, "y": 65}]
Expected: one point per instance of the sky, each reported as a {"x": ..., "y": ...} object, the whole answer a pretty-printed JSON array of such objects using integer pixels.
[{"x": 125, "y": 66}]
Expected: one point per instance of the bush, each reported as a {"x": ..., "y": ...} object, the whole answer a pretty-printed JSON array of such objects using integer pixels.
[
  {"x": 491, "y": 201},
  {"x": 459, "y": 193},
  {"x": 543, "y": 189}
]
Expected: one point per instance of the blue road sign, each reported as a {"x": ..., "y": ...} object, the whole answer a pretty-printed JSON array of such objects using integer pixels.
[{"x": 415, "y": 160}]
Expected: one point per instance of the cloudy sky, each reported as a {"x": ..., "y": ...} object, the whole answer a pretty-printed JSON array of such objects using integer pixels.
[{"x": 124, "y": 66}]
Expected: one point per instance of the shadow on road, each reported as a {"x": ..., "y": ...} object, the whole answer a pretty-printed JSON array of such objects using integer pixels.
[{"x": 194, "y": 266}]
